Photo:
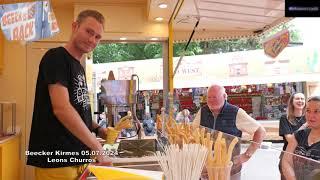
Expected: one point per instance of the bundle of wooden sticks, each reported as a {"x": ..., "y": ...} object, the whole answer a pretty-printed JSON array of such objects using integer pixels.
[
  {"x": 218, "y": 160},
  {"x": 184, "y": 163}
]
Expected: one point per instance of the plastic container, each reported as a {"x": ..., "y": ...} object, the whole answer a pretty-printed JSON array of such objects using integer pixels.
[
  {"x": 219, "y": 172},
  {"x": 7, "y": 118}
]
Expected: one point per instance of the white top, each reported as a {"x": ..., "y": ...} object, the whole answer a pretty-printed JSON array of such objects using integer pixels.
[
  {"x": 244, "y": 122},
  {"x": 182, "y": 118}
]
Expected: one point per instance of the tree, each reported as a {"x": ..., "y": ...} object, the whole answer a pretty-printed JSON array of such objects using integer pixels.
[{"x": 117, "y": 52}]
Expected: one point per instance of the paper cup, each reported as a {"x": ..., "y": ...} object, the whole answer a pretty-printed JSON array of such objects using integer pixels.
[
  {"x": 219, "y": 172},
  {"x": 112, "y": 135}
]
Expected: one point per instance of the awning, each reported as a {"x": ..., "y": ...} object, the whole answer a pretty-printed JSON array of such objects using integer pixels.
[
  {"x": 219, "y": 19},
  {"x": 224, "y": 19}
]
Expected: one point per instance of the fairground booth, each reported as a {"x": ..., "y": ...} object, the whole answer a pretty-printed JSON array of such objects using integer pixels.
[{"x": 141, "y": 99}]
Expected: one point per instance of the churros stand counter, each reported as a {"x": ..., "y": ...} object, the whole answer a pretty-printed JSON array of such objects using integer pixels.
[{"x": 263, "y": 164}]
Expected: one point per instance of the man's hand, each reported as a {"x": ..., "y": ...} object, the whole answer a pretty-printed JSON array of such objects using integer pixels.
[
  {"x": 242, "y": 158},
  {"x": 102, "y": 132},
  {"x": 103, "y": 160}
]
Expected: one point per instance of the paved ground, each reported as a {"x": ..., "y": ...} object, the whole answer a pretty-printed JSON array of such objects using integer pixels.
[{"x": 263, "y": 165}]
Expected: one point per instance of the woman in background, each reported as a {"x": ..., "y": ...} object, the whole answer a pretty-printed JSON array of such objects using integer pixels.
[
  {"x": 292, "y": 121},
  {"x": 304, "y": 143}
]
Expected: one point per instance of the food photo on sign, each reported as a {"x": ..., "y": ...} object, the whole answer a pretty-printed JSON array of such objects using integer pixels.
[
  {"x": 275, "y": 44},
  {"x": 28, "y": 21}
]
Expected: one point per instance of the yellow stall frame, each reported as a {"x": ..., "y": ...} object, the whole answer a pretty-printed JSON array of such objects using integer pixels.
[
  {"x": 10, "y": 157},
  {"x": 1, "y": 52}
]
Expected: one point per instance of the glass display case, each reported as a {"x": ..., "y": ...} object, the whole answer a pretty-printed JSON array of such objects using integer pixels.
[
  {"x": 263, "y": 164},
  {"x": 143, "y": 154}
]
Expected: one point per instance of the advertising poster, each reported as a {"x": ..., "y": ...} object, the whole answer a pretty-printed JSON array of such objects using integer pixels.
[{"x": 28, "y": 21}]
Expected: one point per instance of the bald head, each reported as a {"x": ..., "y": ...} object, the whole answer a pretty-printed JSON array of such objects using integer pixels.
[
  {"x": 216, "y": 95},
  {"x": 216, "y": 88}
]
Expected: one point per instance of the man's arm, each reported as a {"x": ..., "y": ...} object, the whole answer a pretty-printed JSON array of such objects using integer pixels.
[
  {"x": 258, "y": 137},
  {"x": 70, "y": 118},
  {"x": 102, "y": 132},
  {"x": 247, "y": 124}
]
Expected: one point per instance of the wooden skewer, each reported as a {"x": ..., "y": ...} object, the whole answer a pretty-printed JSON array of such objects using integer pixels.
[{"x": 182, "y": 164}]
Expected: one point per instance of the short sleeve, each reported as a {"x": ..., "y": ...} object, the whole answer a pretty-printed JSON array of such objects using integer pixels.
[
  {"x": 300, "y": 135},
  {"x": 284, "y": 127},
  {"x": 246, "y": 123},
  {"x": 54, "y": 67}
]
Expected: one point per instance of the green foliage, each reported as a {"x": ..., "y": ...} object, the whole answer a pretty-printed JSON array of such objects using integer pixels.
[
  {"x": 194, "y": 48},
  {"x": 117, "y": 52},
  {"x": 295, "y": 34}
]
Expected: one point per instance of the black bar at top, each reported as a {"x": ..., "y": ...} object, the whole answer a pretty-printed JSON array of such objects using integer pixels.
[{"x": 302, "y": 8}]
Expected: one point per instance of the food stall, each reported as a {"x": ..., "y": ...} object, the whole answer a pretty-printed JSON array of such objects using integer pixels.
[
  {"x": 19, "y": 60},
  {"x": 217, "y": 164},
  {"x": 262, "y": 165}
]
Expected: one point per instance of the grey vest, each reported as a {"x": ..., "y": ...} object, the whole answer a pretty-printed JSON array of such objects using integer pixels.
[{"x": 225, "y": 122}]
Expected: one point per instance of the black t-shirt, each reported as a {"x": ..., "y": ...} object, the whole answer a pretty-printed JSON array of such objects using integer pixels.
[
  {"x": 303, "y": 167},
  {"x": 303, "y": 148},
  {"x": 58, "y": 147},
  {"x": 285, "y": 127}
]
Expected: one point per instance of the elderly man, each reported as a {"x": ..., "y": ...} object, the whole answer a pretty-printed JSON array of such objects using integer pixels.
[{"x": 219, "y": 115}]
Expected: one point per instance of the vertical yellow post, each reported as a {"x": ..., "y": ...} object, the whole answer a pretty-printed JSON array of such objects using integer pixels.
[
  {"x": 1, "y": 52},
  {"x": 170, "y": 68},
  {"x": 170, "y": 55},
  {"x": 131, "y": 95}
]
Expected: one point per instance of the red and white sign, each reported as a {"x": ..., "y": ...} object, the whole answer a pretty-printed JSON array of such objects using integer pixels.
[
  {"x": 276, "y": 43},
  {"x": 20, "y": 23}
]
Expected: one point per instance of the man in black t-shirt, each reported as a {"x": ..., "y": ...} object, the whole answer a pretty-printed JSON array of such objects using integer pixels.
[{"x": 60, "y": 139}]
